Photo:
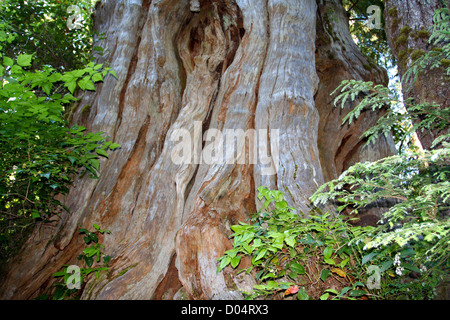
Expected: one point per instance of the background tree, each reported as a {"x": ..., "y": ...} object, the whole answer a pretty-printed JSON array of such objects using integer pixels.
[{"x": 408, "y": 28}]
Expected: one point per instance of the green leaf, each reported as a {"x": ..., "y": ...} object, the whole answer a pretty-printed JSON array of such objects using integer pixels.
[
  {"x": 290, "y": 241},
  {"x": 368, "y": 257},
  {"x": 357, "y": 293},
  {"x": 113, "y": 73},
  {"x": 224, "y": 261},
  {"x": 324, "y": 296},
  {"x": 88, "y": 260},
  {"x": 101, "y": 152},
  {"x": 83, "y": 230},
  {"x": 86, "y": 84},
  {"x": 24, "y": 60},
  {"x": 71, "y": 86},
  {"x": 261, "y": 254},
  {"x": 8, "y": 62},
  {"x": 95, "y": 163},
  {"x": 324, "y": 274},
  {"x": 90, "y": 251},
  {"x": 302, "y": 295},
  {"x": 59, "y": 274},
  {"x": 235, "y": 261},
  {"x": 327, "y": 252},
  {"x": 297, "y": 268},
  {"x": 35, "y": 214},
  {"x": 106, "y": 259},
  {"x": 97, "y": 77},
  {"x": 114, "y": 145}
]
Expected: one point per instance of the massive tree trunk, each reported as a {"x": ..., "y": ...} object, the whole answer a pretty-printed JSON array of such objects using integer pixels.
[
  {"x": 236, "y": 66},
  {"x": 408, "y": 25}
]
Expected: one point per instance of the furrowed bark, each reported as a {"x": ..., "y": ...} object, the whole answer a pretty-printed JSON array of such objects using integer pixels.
[{"x": 189, "y": 77}]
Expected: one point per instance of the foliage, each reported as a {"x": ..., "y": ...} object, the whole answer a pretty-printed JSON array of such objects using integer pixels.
[
  {"x": 290, "y": 254},
  {"x": 372, "y": 41},
  {"x": 95, "y": 250},
  {"x": 423, "y": 116},
  {"x": 325, "y": 257},
  {"x": 40, "y": 154},
  {"x": 416, "y": 183},
  {"x": 41, "y": 28}
]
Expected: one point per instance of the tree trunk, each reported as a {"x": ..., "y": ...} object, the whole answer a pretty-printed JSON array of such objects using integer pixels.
[
  {"x": 231, "y": 67},
  {"x": 408, "y": 25}
]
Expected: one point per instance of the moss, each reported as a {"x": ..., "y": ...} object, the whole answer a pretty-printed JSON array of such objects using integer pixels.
[
  {"x": 405, "y": 30},
  {"x": 393, "y": 12},
  {"x": 85, "y": 111},
  {"x": 422, "y": 34},
  {"x": 402, "y": 55},
  {"x": 402, "y": 39},
  {"x": 445, "y": 62},
  {"x": 416, "y": 54},
  {"x": 121, "y": 273}
]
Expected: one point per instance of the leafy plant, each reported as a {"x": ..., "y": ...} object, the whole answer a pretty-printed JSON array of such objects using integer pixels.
[
  {"x": 41, "y": 27},
  {"x": 39, "y": 153},
  {"x": 62, "y": 291},
  {"x": 325, "y": 257},
  {"x": 293, "y": 254}
]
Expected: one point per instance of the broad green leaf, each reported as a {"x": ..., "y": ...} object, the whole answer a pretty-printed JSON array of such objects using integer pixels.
[
  {"x": 8, "y": 62},
  {"x": 290, "y": 241},
  {"x": 101, "y": 152},
  {"x": 113, "y": 73},
  {"x": 368, "y": 257},
  {"x": 114, "y": 146},
  {"x": 35, "y": 214},
  {"x": 97, "y": 77},
  {"x": 24, "y": 60},
  {"x": 235, "y": 261},
  {"x": 324, "y": 296},
  {"x": 71, "y": 86},
  {"x": 302, "y": 295},
  {"x": 297, "y": 268},
  {"x": 261, "y": 254},
  {"x": 95, "y": 163},
  {"x": 327, "y": 252},
  {"x": 324, "y": 274},
  {"x": 357, "y": 293},
  {"x": 224, "y": 261}
]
